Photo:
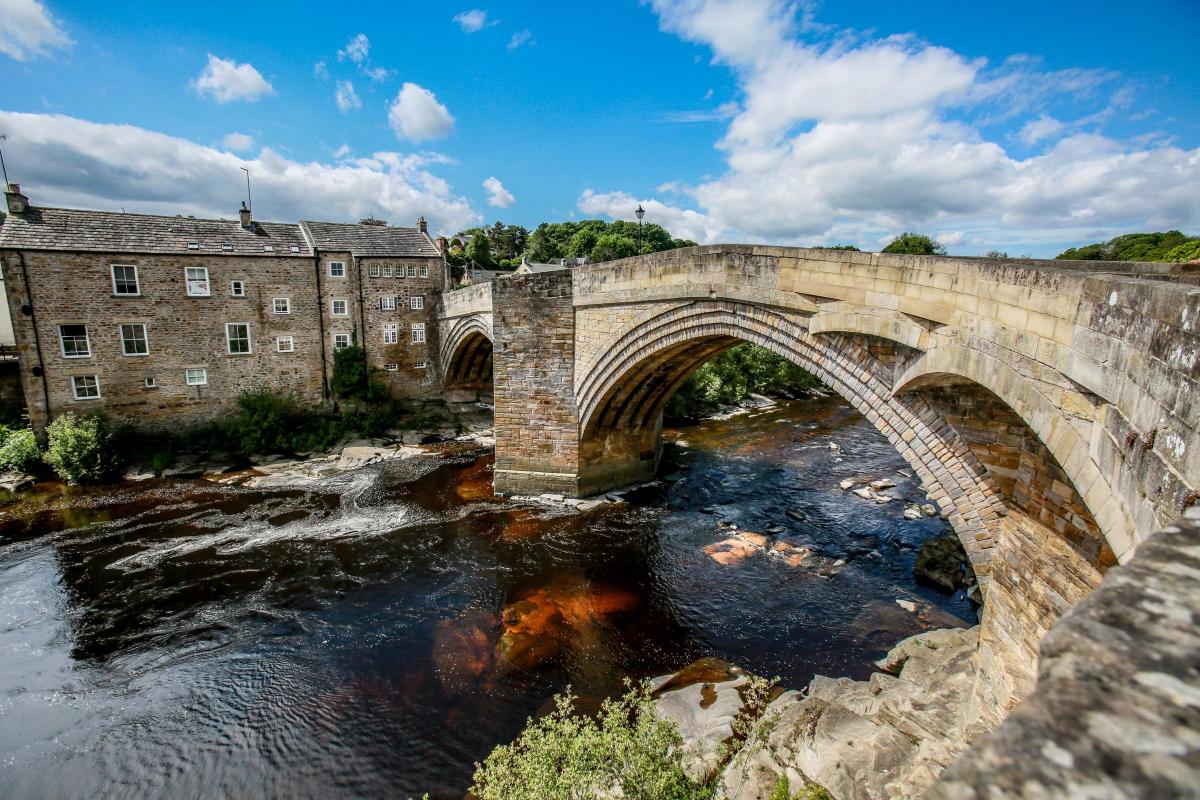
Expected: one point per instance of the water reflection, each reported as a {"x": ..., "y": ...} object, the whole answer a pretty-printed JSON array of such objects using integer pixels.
[{"x": 378, "y": 636}]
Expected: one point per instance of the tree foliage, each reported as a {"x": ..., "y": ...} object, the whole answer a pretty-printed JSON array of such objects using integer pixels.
[
  {"x": 1169, "y": 246},
  {"x": 80, "y": 448},
  {"x": 915, "y": 244},
  {"x": 628, "y": 750},
  {"x": 733, "y": 375},
  {"x": 480, "y": 251},
  {"x": 18, "y": 449}
]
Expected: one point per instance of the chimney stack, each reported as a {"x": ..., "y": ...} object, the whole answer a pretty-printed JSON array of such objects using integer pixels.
[
  {"x": 443, "y": 244},
  {"x": 17, "y": 203},
  {"x": 244, "y": 215},
  {"x": 421, "y": 226}
]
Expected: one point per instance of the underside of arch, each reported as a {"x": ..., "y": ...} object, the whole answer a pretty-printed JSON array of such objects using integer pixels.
[
  {"x": 621, "y": 399},
  {"x": 468, "y": 366}
]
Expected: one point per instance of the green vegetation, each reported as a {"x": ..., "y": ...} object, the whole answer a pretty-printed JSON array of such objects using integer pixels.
[
  {"x": 783, "y": 791},
  {"x": 915, "y": 244},
  {"x": 1170, "y": 246},
  {"x": 502, "y": 246},
  {"x": 80, "y": 448},
  {"x": 18, "y": 449},
  {"x": 738, "y": 372},
  {"x": 627, "y": 750}
]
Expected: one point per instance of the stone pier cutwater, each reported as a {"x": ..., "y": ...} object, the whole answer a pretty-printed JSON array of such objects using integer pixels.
[{"x": 1050, "y": 408}]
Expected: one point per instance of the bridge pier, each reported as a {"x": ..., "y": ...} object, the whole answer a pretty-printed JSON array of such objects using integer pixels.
[{"x": 537, "y": 420}]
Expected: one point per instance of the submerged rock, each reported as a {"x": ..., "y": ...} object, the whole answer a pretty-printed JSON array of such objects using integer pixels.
[{"x": 942, "y": 562}]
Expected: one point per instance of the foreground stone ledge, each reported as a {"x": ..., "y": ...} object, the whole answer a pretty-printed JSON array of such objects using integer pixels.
[{"x": 1116, "y": 712}]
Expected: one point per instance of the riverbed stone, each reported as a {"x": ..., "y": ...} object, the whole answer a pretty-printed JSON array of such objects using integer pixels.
[{"x": 705, "y": 713}]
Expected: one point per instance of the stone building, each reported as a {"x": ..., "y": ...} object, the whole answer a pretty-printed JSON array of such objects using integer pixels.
[{"x": 165, "y": 321}]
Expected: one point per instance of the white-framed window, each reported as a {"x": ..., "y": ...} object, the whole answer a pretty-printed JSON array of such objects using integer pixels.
[
  {"x": 421, "y": 365},
  {"x": 281, "y": 305},
  {"x": 295, "y": 248},
  {"x": 418, "y": 332},
  {"x": 391, "y": 367},
  {"x": 193, "y": 245},
  {"x": 337, "y": 269},
  {"x": 85, "y": 387},
  {"x": 133, "y": 339},
  {"x": 339, "y": 308},
  {"x": 341, "y": 341},
  {"x": 197, "y": 281},
  {"x": 237, "y": 288},
  {"x": 125, "y": 280},
  {"x": 284, "y": 344},
  {"x": 195, "y": 376},
  {"x": 387, "y": 270},
  {"x": 424, "y": 270},
  {"x": 74, "y": 341},
  {"x": 373, "y": 270},
  {"x": 412, "y": 270},
  {"x": 416, "y": 302},
  {"x": 391, "y": 333},
  {"x": 387, "y": 304},
  {"x": 150, "y": 383},
  {"x": 237, "y": 338},
  {"x": 268, "y": 248}
]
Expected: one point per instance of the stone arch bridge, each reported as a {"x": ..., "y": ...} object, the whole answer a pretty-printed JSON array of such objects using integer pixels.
[{"x": 1051, "y": 408}]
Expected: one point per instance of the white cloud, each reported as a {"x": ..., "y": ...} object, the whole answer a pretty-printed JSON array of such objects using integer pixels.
[
  {"x": 1038, "y": 129},
  {"x": 849, "y": 138},
  {"x": 345, "y": 97},
  {"x": 682, "y": 223},
  {"x": 356, "y": 50},
  {"x": 342, "y": 151},
  {"x": 498, "y": 196},
  {"x": 321, "y": 71},
  {"x": 226, "y": 80},
  {"x": 376, "y": 74},
  {"x": 27, "y": 30},
  {"x": 238, "y": 142},
  {"x": 417, "y": 115},
  {"x": 472, "y": 21},
  {"x": 520, "y": 39},
  {"x": 74, "y": 163}
]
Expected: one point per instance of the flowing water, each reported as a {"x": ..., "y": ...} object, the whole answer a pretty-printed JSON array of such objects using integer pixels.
[{"x": 378, "y": 636}]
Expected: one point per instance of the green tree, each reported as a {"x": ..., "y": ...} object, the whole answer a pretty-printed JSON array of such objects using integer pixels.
[
  {"x": 611, "y": 246},
  {"x": 915, "y": 244},
  {"x": 734, "y": 374},
  {"x": 349, "y": 372},
  {"x": 480, "y": 251},
  {"x": 1169, "y": 246}
]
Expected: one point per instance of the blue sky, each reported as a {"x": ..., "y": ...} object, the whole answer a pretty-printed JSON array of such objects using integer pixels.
[{"x": 1019, "y": 126}]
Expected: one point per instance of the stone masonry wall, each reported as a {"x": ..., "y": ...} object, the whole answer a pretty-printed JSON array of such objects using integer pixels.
[
  {"x": 1116, "y": 711},
  {"x": 183, "y": 332},
  {"x": 536, "y": 422}
]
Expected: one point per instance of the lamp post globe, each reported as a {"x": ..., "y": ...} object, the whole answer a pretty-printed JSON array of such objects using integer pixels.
[{"x": 639, "y": 213}]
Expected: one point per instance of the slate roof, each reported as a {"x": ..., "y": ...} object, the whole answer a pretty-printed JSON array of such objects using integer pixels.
[
  {"x": 370, "y": 240},
  {"x": 113, "y": 232}
]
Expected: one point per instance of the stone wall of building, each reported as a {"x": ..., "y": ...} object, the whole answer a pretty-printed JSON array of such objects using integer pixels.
[
  {"x": 536, "y": 419},
  {"x": 182, "y": 331}
]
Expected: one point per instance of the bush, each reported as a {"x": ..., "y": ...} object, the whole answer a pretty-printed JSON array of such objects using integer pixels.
[
  {"x": 80, "y": 448},
  {"x": 266, "y": 423},
  {"x": 628, "y": 750},
  {"x": 18, "y": 449},
  {"x": 915, "y": 244},
  {"x": 349, "y": 372}
]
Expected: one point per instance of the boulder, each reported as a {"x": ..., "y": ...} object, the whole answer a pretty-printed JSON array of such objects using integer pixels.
[
  {"x": 942, "y": 562},
  {"x": 846, "y": 484},
  {"x": 912, "y": 512},
  {"x": 865, "y": 493},
  {"x": 882, "y": 483}
]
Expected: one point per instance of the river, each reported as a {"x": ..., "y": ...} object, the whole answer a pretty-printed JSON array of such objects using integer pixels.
[{"x": 183, "y": 639}]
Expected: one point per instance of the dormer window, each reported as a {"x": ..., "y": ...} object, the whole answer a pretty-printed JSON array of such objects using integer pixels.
[
  {"x": 193, "y": 245},
  {"x": 227, "y": 247},
  {"x": 295, "y": 248},
  {"x": 267, "y": 248}
]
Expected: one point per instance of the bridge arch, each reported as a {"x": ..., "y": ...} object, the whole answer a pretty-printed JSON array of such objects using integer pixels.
[
  {"x": 622, "y": 397},
  {"x": 466, "y": 357}
]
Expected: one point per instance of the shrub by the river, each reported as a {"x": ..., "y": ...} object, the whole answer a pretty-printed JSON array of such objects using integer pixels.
[
  {"x": 18, "y": 449},
  {"x": 267, "y": 422},
  {"x": 566, "y": 755},
  {"x": 80, "y": 448}
]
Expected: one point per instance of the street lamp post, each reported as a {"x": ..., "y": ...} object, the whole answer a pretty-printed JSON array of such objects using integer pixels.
[{"x": 639, "y": 213}]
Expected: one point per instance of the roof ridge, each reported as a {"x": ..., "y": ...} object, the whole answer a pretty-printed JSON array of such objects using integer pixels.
[{"x": 193, "y": 217}]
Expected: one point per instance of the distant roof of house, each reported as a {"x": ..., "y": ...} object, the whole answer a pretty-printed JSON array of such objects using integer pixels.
[
  {"x": 370, "y": 240},
  {"x": 116, "y": 232},
  {"x": 563, "y": 263}
]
